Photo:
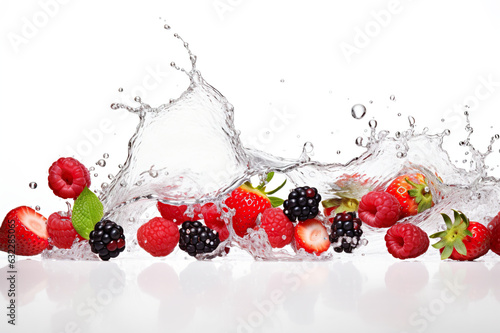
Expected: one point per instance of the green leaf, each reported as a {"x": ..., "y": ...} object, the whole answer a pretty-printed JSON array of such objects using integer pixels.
[
  {"x": 270, "y": 176},
  {"x": 448, "y": 249},
  {"x": 439, "y": 234},
  {"x": 277, "y": 189},
  {"x": 275, "y": 201},
  {"x": 87, "y": 211},
  {"x": 458, "y": 218},
  {"x": 440, "y": 244},
  {"x": 460, "y": 247},
  {"x": 447, "y": 220},
  {"x": 468, "y": 233}
]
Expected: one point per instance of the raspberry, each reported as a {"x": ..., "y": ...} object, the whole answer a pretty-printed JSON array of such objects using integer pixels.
[
  {"x": 68, "y": 178},
  {"x": 177, "y": 214},
  {"x": 302, "y": 204},
  {"x": 61, "y": 231},
  {"x": 494, "y": 227},
  {"x": 196, "y": 238},
  {"x": 379, "y": 209},
  {"x": 278, "y": 227},
  {"x": 213, "y": 220},
  {"x": 107, "y": 239},
  {"x": 158, "y": 237},
  {"x": 406, "y": 240}
]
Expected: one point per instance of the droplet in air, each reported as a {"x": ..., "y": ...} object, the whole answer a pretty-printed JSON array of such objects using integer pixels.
[
  {"x": 105, "y": 155},
  {"x": 338, "y": 152},
  {"x": 359, "y": 141},
  {"x": 399, "y": 114},
  {"x": 166, "y": 26},
  {"x": 91, "y": 168},
  {"x": 101, "y": 163},
  {"x": 411, "y": 120},
  {"x": 282, "y": 80},
  {"x": 372, "y": 123},
  {"x": 96, "y": 174},
  {"x": 120, "y": 89},
  {"x": 393, "y": 98},
  {"x": 137, "y": 99},
  {"x": 37, "y": 208},
  {"x": 114, "y": 106},
  {"x": 33, "y": 185},
  {"x": 358, "y": 111}
]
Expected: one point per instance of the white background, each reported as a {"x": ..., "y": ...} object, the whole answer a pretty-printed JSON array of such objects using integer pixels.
[{"x": 59, "y": 73}]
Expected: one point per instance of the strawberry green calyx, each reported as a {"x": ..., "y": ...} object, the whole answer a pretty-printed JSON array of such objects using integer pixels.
[
  {"x": 453, "y": 236},
  {"x": 422, "y": 195},
  {"x": 343, "y": 204},
  {"x": 261, "y": 190}
]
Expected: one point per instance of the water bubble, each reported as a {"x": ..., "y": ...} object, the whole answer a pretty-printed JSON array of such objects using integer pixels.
[
  {"x": 104, "y": 186},
  {"x": 411, "y": 120},
  {"x": 358, "y": 111},
  {"x": 137, "y": 99},
  {"x": 114, "y": 106},
  {"x": 371, "y": 102},
  {"x": 91, "y": 168},
  {"x": 37, "y": 208},
  {"x": 399, "y": 114},
  {"x": 397, "y": 134},
  {"x": 442, "y": 120},
  {"x": 101, "y": 163},
  {"x": 33, "y": 185},
  {"x": 308, "y": 147},
  {"x": 372, "y": 123},
  {"x": 111, "y": 176},
  {"x": 105, "y": 155},
  {"x": 120, "y": 89},
  {"x": 120, "y": 166},
  {"x": 359, "y": 141},
  {"x": 96, "y": 174},
  {"x": 447, "y": 132},
  {"x": 166, "y": 27},
  {"x": 338, "y": 152},
  {"x": 392, "y": 98},
  {"x": 282, "y": 80}
]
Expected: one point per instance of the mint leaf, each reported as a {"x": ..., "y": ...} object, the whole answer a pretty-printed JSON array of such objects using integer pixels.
[{"x": 87, "y": 211}]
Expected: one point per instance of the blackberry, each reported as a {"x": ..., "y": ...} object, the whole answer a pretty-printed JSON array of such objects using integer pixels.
[
  {"x": 346, "y": 227},
  {"x": 195, "y": 238},
  {"x": 302, "y": 204},
  {"x": 107, "y": 239}
]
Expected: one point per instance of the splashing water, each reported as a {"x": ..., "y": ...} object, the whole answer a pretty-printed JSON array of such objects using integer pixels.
[{"x": 188, "y": 151}]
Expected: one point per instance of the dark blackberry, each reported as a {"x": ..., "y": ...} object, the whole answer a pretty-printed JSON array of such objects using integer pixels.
[
  {"x": 107, "y": 239},
  {"x": 302, "y": 204},
  {"x": 195, "y": 238},
  {"x": 346, "y": 227}
]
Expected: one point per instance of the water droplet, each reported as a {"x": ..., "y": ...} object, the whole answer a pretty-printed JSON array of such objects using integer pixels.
[
  {"x": 401, "y": 154},
  {"x": 123, "y": 183},
  {"x": 338, "y": 152},
  {"x": 411, "y": 120},
  {"x": 372, "y": 123},
  {"x": 282, "y": 80},
  {"x": 37, "y": 208},
  {"x": 114, "y": 106},
  {"x": 359, "y": 141},
  {"x": 120, "y": 166},
  {"x": 466, "y": 153},
  {"x": 33, "y": 185},
  {"x": 358, "y": 111},
  {"x": 120, "y": 89},
  {"x": 105, "y": 155},
  {"x": 137, "y": 99},
  {"x": 464, "y": 161},
  {"x": 131, "y": 219},
  {"x": 101, "y": 163},
  {"x": 461, "y": 143},
  {"x": 497, "y": 136},
  {"x": 283, "y": 237},
  {"x": 153, "y": 173},
  {"x": 176, "y": 35},
  {"x": 166, "y": 26},
  {"x": 91, "y": 168},
  {"x": 172, "y": 64},
  {"x": 466, "y": 113},
  {"x": 442, "y": 120},
  {"x": 397, "y": 134},
  {"x": 104, "y": 186},
  {"x": 371, "y": 102},
  {"x": 447, "y": 132},
  {"x": 96, "y": 174},
  {"x": 308, "y": 147},
  {"x": 399, "y": 114},
  {"x": 111, "y": 177},
  {"x": 393, "y": 98}
]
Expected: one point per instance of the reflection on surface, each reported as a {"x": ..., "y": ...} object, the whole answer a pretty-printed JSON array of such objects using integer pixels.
[{"x": 252, "y": 296}]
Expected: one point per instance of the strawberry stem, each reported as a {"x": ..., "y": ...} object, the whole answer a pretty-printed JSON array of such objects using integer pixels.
[{"x": 422, "y": 195}]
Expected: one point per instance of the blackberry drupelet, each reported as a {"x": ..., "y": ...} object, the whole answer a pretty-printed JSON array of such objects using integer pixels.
[
  {"x": 302, "y": 204},
  {"x": 346, "y": 227},
  {"x": 195, "y": 238},
  {"x": 107, "y": 239}
]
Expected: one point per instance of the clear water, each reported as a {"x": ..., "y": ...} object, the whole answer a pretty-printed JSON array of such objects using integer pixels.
[{"x": 188, "y": 151}]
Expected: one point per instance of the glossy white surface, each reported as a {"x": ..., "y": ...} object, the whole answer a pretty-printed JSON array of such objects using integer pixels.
[{"x": 243, "y": 296}]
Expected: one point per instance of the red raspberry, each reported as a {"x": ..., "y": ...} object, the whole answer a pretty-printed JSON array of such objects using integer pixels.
[
  {"x": 406, "y": 240},
  {"x": 494, "y": 227},
  {"x": 61, "y": 231},
  {"x": 379, "y": 209},
  {"x": 177, "y": 214},
  {"x": 278, "y": 227},
  {"x": 68, "y": 178},
  {"x": 158, "y": 237},
  {"x": 213, "y": 220}
]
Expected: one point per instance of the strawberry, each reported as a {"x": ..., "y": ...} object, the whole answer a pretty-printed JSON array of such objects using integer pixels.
[
  {"x": 278, "y": 227},
  {"x": 61, "y": 231},
  {"x": 158, "y": 237},
  {"x": 68, "y": 178},
  {"x": 177, "y": 214},
  {"x": 462, "y": 240},
  {"x": 214, "y": 221},
  {"x": 406, "y": 240},
  {"x": 29, "y": 229},
  {"x": 412, "y": 192},
  {"x": 379, "y": 209},
  {"x": 248, "y": 202},
  {"x": 494, "y": 227},
  {"x": 311, "y": 235},
  {"x": 333, "y": 206}
]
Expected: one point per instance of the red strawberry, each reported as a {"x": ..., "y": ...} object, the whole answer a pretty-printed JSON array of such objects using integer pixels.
[
  {"x": 68, "y": 178},
  {"x": 494, "y": 227},
  {"x": 412, "y": 192},
  {"x": 177, "y": 214},
  {"x": 29, "y": 228},
  {"x": 213, "y": 220},
  {"x": 311, "y": 235},
  {"x": 249, "y": 202},
  {"x": 278, "y": 227},
  {"x": 462, "y": 239},
  {"x": 158, "y": 237},
  {"x": 379, "y": 209},
  {"x": 61, "y": 231},
  {"x": 406, "y": 240},
  {"x": 338, "y": 205}
]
